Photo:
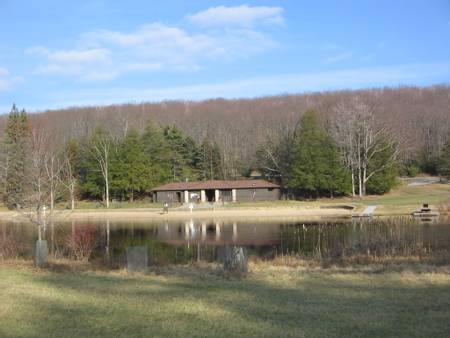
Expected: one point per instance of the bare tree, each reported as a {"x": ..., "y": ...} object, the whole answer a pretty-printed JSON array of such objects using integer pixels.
[
  {"x": 37, "y": 176},
  {"x": 241, "y": 126},
  {"x": 68, "y": 177},
  {"x": 53, "y": 168},
  {"x": 361, "y": 136},
  {"x": 100, "y": 148}
]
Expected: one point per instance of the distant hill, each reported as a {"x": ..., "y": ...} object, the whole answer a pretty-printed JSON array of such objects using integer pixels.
[{"x": 419, "y": 116}]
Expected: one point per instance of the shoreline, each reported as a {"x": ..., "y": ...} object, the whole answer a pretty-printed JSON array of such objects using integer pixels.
[
  {"x": 153, "y": 214},
  {"x": 156, "y": 214}
]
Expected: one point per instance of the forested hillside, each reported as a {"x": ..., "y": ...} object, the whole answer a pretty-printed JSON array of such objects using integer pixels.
[
  {"x": 419, "y": 118},
  {"x": 373, "y": 134}
]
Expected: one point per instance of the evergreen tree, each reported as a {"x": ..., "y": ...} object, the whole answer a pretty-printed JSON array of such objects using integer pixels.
[
  {"x": 444, "y": 162},
  {"x": 96, "y": 162},
  {"x": 130, "y": 167},
  {"x": 316, "y": 167},
  {"x": 16, "y": 142},
  {"x": 158, "y": 151},
  {"x": 183, "y": 154},
  {"x": 386, "y": 171},
  {"x": 91, "y": 180},
  {"x": 209, "y": 165},
  {"x": 275, "y": 160}
]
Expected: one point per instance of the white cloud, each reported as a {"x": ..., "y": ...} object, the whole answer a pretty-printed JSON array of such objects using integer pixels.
[
  {"x": 238, "y": 16},
  {"x": 84, "y": 63},
  {"x": 153, "y": 35},
  {"x": 106, "y": 54},
  {"x": 90, "y": 56}
]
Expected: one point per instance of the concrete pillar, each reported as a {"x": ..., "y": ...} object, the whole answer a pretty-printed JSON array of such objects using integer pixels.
[
  {"x": 202, "y": 196},
  {"x": 233, "y": 195},
  {"x": 186, "y": 197},
  {"x": 217, "y": 195}
]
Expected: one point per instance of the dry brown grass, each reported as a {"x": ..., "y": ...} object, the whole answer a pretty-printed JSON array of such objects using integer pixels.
[
  {"x": 281, "y": 300},
  {"x": 422, "y": 262},
  {"x": 444, "y": 207}
]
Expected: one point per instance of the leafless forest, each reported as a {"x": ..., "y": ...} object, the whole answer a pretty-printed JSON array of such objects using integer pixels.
[{"x": 417, "y": 118}]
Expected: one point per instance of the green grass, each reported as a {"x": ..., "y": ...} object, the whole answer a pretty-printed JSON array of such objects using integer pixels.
[
  {"x": 94, "y": 205},
  {"x": 404, "y": 195},
  {"x": 402, "y": 199},
  {"x": 271, "y": 302}
]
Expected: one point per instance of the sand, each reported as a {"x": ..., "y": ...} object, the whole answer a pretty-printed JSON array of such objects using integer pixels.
[{"x": 156, "y": 214}]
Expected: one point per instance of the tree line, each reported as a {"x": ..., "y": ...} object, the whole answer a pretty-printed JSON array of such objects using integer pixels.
[
  {"x": 356, "y": 157},
  {"x": 100, "y": 166},
  {"x": 346, "y": 147},
  {"x": 418, "y": 118}
]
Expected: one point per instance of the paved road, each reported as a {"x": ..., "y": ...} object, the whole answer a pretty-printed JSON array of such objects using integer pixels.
[
  {"x": 418, "y": 181},
  {"x": 369, "y": 210}
]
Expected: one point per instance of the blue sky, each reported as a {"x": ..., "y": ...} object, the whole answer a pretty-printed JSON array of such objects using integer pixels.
[{"x": 62, "y": 53}]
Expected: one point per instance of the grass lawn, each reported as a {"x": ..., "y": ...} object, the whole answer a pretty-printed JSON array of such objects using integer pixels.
[
  {"x": 185, "y": 302},
  {"x": 403, "y": 199},
  {"x": 96, "y": 205}
]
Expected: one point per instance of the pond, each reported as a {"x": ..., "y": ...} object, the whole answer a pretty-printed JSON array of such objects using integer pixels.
[{"x": 174, "y": 242}]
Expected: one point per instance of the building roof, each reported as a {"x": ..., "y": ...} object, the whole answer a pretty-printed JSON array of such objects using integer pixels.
[{"x": 217, "y": 184}]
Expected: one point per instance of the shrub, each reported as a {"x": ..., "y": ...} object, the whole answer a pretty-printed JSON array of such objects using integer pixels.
[{"x": 82, "y": 242}]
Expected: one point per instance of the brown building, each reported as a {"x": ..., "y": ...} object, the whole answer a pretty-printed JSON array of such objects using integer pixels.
[{"x": 217, "y": 191}]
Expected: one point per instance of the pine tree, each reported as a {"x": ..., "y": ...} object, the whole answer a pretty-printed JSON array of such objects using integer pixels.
[
  {"x": 209, "y": 165},
  {"x": 444, "y": 162},
  {"x": 16, "y": 142},
  {"x": 95, "y": 173},
  {"x": 316, "y": 167},
  {"x": 158, "y": 151},
  {"x": 386, "y": 171},
  {"x": 184, "y": 153},
  {"x": 274, "y": 159},
  {"x": 130, "y": 167}
]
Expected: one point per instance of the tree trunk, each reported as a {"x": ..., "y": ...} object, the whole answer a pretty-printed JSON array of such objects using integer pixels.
[
  {"x": 107, "y": 192},
  {"x": 52, "y": 199},
  {"x": 364, "y": 181},
  {"x": 353, "y": 184}
]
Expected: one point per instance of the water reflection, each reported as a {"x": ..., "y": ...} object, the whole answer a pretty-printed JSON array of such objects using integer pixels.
[{"x": 196, "y": 240}]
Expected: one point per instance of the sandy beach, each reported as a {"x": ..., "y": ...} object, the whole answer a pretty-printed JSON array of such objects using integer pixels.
[{"x": 156, "y": 214}]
